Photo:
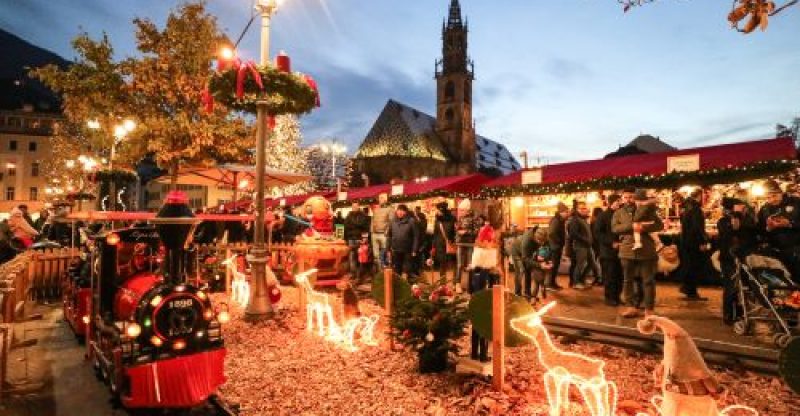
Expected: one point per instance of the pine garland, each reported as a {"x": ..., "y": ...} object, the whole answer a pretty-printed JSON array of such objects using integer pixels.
[{"x": 284, "y": 93}]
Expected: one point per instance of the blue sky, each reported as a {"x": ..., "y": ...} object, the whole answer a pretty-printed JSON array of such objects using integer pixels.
[{"x": 565, "y": 79}]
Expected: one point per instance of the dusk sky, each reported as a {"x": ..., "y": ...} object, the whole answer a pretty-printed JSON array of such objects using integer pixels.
[{"x": 565, "y": 79}]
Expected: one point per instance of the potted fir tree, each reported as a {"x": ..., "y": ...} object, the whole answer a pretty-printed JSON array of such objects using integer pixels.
[{"x": 428, "y": 322}]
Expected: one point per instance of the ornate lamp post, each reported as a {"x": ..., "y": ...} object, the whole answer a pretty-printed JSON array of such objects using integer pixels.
[
  {"x": 260, "y": 307},
  {"x": 120, "y": 131},
  {"x": 334, "y": 149}
]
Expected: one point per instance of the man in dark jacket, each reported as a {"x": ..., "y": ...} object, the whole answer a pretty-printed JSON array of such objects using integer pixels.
[
  {"x": 580, "y": 236},
  {"x": 422, "y": 233},
  {"x": 637, "y": 263},
  {"x": 355, "y": 225},
  {"x": 608, "y": 243},
  {"x": 694, "y": 245},
  {"x": 522, "y": 250},
  {"x": 556, "y": 237},
  {"x": 779, "y": 226},
  {"x": 737, "y": 238},
  {"x": 402, "y": 241}
]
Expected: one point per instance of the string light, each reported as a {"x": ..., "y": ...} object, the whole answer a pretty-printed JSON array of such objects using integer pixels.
[
  {"x": 319, "y": 310},
  {"x": 565, "y": 369},
  {"x": 240, "y": 288}
]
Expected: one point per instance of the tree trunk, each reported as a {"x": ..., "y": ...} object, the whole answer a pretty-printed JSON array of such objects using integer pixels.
[{"x": 173, "y": 172}]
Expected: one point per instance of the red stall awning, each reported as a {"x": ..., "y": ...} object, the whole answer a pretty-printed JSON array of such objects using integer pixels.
[
  {"x": 710, "y": 157},
  {"x": 466, "y": 184}
]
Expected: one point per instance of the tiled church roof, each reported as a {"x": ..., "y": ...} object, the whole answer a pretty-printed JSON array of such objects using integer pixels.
[{"x": 404, "y": 131}]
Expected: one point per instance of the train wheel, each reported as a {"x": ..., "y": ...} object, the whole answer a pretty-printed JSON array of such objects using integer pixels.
[
  {"x": 741, "y": 327},
  {"x": 781, "y": 340}
]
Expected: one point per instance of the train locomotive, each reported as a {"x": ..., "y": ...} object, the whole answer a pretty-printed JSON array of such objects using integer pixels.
[{"x": 153, "y": 338}]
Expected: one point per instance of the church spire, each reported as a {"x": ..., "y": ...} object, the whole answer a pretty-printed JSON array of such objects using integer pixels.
[{"x": 455, "y": 14}]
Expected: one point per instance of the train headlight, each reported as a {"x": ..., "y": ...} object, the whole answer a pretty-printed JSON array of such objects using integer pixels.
[
  {"x": 156, "y": 341},
  {"x": 223, "y": 317},
  {"x": 179, "y": 344},
  {"x": 201, "y": 295},
  {"x": 156, "y": 301},
  {"x": 208, "y": 314},
  {"x": 133, "y": 330},
  {"x": 112, "y": 239}
]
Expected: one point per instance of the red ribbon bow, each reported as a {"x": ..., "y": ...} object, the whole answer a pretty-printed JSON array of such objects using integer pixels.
[
  {"x": 313, "y": 84},
  {"x": 208, "y": 101},
  {"x": 241, "y": 75}
]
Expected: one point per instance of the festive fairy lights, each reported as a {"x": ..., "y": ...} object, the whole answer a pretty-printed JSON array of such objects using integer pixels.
[
  {"x": 320, "y": 311},
  {"x": 240, "y": 288},
  {"x": 565, "y": 369}
]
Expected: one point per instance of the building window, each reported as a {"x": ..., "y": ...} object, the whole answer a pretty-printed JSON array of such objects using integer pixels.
[
  {"x": 14, "y": 122},
  {"x": 12, "y": 169},
  {"x": 449, "y": 90},
  {"x": 449, "y": 114},
  {"x": 12, "y": 145},
  {"x": 34, "y": 193},
  {"x": 31, "y": 146},
  {"x": 35, "y": 169},
  {"x": 10, "y": 193}
]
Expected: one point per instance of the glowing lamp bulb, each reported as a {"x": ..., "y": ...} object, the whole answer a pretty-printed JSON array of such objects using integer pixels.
[
  {"x": 226, "y": 53},
  {"x": 180, "y": 288},
  {"x": 129, "y": 125},
  {"x": 85, "y": 319},
  {"x": 591, "y": 198},
  {"x": 133, "y": 330},
  {"x": 200, "y": 334},
  {"x": 179, "y": 345},
  {"x": 224, "y": 317},
  {"x": 156, "y": 301},
  {"x": 208, "y": 314},
  {"x": 156, "y": 341},
  {"x": 201, "y": 295},
  {"x": 519, "y": 202},
  {"x": 112, "y": 239},
  {"x": 758, "y": 190}
]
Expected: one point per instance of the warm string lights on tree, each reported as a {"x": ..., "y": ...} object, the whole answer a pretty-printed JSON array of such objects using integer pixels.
[{"x": 286, "y": 153}]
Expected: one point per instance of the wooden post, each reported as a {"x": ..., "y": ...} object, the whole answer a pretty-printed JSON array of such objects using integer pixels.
[
  {"x": 498, "y": 336},
  {"x": 387, "y": 291},
  {"x": 301, "y": 291},
  {"x": 3, "y": 358},
  {"x": 228, "y": 271}
]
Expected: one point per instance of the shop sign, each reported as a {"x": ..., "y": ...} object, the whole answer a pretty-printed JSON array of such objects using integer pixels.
[
  {"x": 342, "y": 196},
  {"x": 397, "y": 189},
  {"x": 531, "y": 177},
  {"x": 684, "y": 163}
]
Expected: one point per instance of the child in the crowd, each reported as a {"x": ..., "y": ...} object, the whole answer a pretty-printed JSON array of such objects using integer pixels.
[
  {"x": 646, "y": 214},
  {"x": 364, "y": 261},
  {"x": 484, "y": 255},
  {"x": 542, "y": 264}
]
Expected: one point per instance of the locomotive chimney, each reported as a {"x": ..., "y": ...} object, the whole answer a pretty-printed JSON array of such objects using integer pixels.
[{"x": 175, "y": 224}]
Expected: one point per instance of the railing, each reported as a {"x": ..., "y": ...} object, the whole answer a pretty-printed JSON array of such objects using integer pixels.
[{"x": 46, "y": 268}]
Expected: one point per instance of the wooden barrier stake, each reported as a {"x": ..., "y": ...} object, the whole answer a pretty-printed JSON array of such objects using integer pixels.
[
  {"x": 387, "y": 291},
  {"x": 228, "y": 273},
  {"x": 498, "y": 337}
]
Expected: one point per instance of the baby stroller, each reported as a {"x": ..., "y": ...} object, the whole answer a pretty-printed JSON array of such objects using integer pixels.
[{"x": 766, "y": 292}]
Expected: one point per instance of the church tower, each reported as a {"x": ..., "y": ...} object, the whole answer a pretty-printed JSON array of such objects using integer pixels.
[{"x": 454, "y": 75}]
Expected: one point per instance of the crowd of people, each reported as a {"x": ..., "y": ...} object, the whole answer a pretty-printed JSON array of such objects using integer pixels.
[{"x": 20, "y": 231}]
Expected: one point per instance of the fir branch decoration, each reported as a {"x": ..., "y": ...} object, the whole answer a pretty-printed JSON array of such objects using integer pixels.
[{"x": 284, "y": 93}]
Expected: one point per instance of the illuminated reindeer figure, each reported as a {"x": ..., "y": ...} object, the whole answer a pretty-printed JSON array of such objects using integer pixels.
[
  {"x": 240, "y": 288},
  {"x": 567, "y": 368},
  {"x": 317, "y": 307}
]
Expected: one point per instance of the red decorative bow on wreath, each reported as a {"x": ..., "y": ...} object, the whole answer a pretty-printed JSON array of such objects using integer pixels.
[
  {"x": 313, "y": 84},
  {"x": 244, "y": 69}
]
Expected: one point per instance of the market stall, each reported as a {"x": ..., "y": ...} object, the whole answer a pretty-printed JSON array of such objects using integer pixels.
[{"x": 727, "y": 169}]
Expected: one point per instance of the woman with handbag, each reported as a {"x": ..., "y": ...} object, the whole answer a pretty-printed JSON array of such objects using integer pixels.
[{"x": 443, "y": 249}]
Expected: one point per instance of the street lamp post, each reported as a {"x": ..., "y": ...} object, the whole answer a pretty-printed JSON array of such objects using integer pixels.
[
  {"x": 335, "y": 149},
  {"x": 120, "y": 131},
  {"x": 259, "y": 307}
]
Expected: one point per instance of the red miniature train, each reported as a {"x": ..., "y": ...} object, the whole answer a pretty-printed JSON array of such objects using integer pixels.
[{"x": 153, "y": 338}]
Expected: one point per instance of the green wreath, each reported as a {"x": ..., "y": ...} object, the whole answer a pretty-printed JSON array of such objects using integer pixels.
[{"x": 284, "y": 93}]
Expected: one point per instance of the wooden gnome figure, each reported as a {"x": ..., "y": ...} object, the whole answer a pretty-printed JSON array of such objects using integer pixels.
[{"x": 689, "y": 388}]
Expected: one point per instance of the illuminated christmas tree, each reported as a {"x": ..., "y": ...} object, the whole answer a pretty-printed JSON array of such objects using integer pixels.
[{"x": 286, "y": 154}]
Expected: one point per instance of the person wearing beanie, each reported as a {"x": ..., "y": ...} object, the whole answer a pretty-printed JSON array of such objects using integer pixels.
[
  {"x": 20, "y": 228},
  {"x": 557, "y": 238},
  {"x": 608, "y": 243},
  {"x": 694, "y": 243},
  {"x": 402, "y": 241},
  {"x": 443, "y": 236},
  {"x": 636, "y": 264},
  {"x": 779, "y": 226}
]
